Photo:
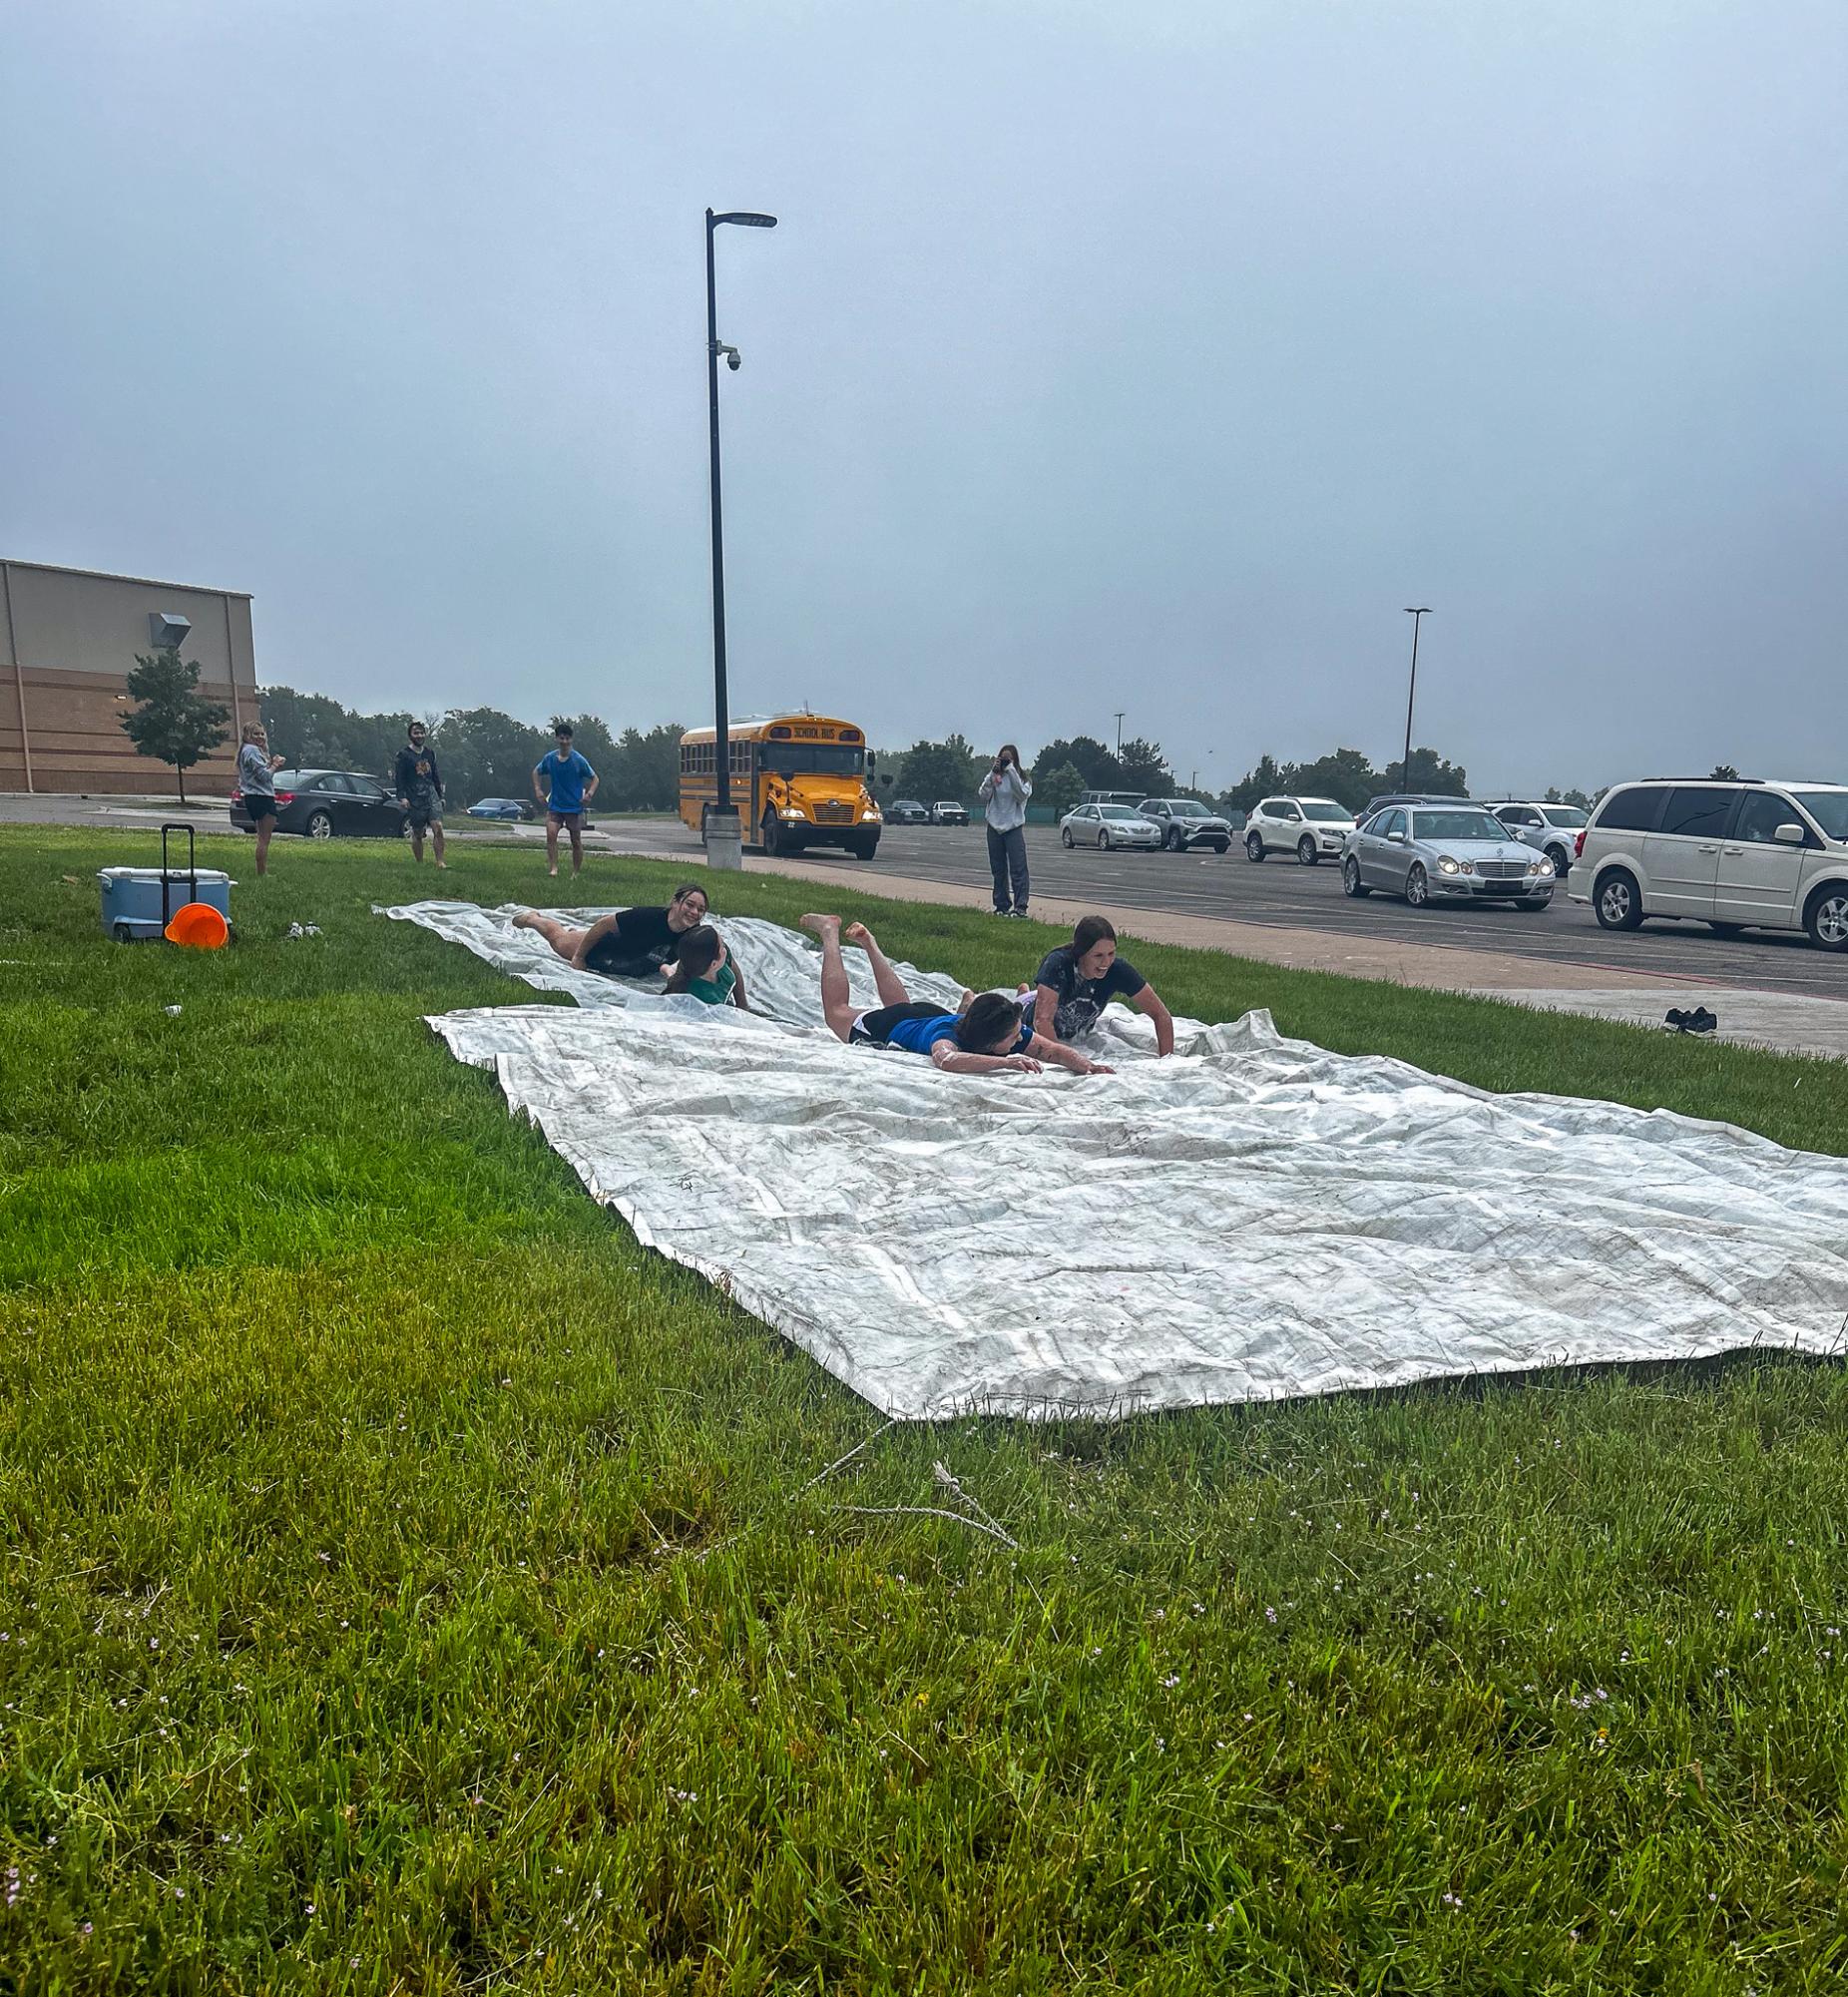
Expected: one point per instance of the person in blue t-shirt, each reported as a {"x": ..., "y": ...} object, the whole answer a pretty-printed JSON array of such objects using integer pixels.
[
  {"x": 564, "y": 782},
  {"x": 986, "y": 1032}
]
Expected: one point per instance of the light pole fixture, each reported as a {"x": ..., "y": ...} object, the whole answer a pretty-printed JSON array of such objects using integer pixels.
[
  {"x": 1418, "y": 616},
  {"x": 1119, "y": 715},
  {"x": 722, "y": 838}
]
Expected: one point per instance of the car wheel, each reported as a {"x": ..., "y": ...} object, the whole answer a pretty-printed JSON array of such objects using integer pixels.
[
  {"x": 1255, "y": 848},
  {"x": 321, "y": 825},
  {"x": 1221, "y": 846},
  {"x": 1727, "y": 928},
  {"x": 1172, "y": 841},
  {"x": 1064, "y": 837},
  {"x": 1417, "y": 887},
  {"x": 1104, "y": 842},
  {"x": 1826, "y": 917},
  {"x": 1351, "y": 884},
  {"x": 1562, "y": 862},
  {"x": 1617, "y": 900},
  {"x": 1306, "y": 854}
]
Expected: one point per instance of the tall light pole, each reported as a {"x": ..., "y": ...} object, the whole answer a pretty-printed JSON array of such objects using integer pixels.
[
  {"x": 1418, "y": 616},
  {"x": 1119, "y": 715},
  {"x": 723, "y": 842}
]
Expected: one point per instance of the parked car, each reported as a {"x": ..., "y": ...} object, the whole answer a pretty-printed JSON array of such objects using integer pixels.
[
  {"x": 1109, "y": 826},
  {"x": 329, "y": 804},
  {"x": 1310, "y": 828},
  {"x": 1186, "y": 824},
  {"x": 1745, "y": 855},
  {"x": 1377, "y": 805},
  {"x": 906, "y": 811},
  {"x": 946, "y": 811},
  {"x": 1130, "y": 798},
  {"x": 501, "y": 808},
  {"x": 1443, "y": 852},
  {"x": 1548, "y": 829}
]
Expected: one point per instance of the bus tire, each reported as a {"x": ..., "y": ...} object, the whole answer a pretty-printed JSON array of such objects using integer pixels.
[
  {"x": 773, "y": 832},
  {"x": 863, "y": 850}
]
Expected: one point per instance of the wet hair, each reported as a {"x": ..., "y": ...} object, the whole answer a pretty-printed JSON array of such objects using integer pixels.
[
  {"x": 689, "y": 887},
  {"x": 698, "y": 953},
  {"x": 1007, "y": 749},
  {"x": 988, "y": 1018},
  {"x": 252, "y": 730},
  {"x": 1092, "y": 930},
  {"x": 410, "y": 727},
  {"x": 561, "y": 727}
]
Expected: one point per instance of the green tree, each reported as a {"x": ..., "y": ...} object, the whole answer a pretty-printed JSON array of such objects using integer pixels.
[
  {"x": 1094, "y": 762},
  {"x": 312, "y": 731},
  {"x": 1431, "y": 775},
  {"x": 646, "y": 773},
  {"x": 1724, "y": 773},
  {"x": 1347, "y": 776},
  {"x": 1141, "y": 766},
  {"x": 1579, "y": 798},
  {"x": 1059, "y": 789},
  {"x": 1262, "y": 782},
  {"x": 173, "y": 722},
  {"x": 483, "y": 752},
  {"x": 929, "y": 770}
]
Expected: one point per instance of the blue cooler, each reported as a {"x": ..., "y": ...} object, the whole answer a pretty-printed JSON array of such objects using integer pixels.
[{"x": 139, "y": 901}]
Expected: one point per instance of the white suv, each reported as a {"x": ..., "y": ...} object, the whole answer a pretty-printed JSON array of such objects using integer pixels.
[
  {"x": 1548, "y": 829},
  {"x": 1758, "y": 855},
  {"x": 1309, "y": 828}
]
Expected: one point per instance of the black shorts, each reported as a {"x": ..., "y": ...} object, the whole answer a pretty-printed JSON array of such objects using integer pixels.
[
  {"x": 609, "y": 960},
  {"x": 258, "y": 806},
  {"x": 874, "y": 1029}
]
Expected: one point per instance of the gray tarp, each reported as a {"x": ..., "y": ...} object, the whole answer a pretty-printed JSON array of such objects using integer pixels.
[{"x": 1254, "y": 1219}]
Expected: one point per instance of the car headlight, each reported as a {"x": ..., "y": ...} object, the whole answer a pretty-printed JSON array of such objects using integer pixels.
[
  {"x": 792, "y": 811},
  {"x": 1541, "y": 866},
  {"x": 1448, "y": 865},
  {"x": 869, "y": 817}
]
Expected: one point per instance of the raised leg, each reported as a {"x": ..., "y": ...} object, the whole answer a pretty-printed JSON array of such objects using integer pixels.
[
  {"x": 836, "y": 1002},
  {"x": 891, "y": 991}
]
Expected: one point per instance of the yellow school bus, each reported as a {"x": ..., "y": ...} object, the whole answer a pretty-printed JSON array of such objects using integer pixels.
[{"x": 796, "y": 780}]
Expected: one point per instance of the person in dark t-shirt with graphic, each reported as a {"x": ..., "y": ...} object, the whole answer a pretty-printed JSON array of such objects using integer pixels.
[
  {"x": 1077, "y": 980},
  {"x": 633, "y": 944},
  {"x": 420, "y": 791}
]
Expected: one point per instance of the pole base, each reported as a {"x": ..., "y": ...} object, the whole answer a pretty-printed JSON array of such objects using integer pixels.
[{"x": 724, "y": 842}]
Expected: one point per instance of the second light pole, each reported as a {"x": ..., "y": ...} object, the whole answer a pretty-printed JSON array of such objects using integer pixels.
[
  {"x": 1417, "y": 615},
  {"x": 723, "y": 844}
]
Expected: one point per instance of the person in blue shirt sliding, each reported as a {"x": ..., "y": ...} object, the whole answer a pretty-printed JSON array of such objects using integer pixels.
[
  {"x": 984, "y": 1032},
  {"x": 571, "y": 784}
]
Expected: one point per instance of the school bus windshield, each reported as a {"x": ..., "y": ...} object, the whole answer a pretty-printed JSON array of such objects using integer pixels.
[{"x": 810, "y": 759}]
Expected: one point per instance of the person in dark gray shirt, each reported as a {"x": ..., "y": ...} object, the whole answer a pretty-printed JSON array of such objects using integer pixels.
[{"x": 1079, "y": 979}]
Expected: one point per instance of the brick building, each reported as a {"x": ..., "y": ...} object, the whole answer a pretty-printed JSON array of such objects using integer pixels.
[{"x": 68, "y": 640}]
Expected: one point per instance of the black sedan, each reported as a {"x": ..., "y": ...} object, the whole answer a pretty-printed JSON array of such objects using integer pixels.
[{"x": 329, "y": 804}]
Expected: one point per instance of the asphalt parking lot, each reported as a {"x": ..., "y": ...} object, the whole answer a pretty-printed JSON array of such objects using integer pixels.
[{"x": 1289, "y": 895}]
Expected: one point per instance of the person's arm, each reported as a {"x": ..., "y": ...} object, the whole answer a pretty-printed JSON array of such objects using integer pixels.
[
  {"x": 1146, "y": 1001},
  {"x": 400, "y": 782},
  {"x": 953, "y": 1061},
  {"x": 1062, "y": 1056},
  {"x": 986, "y": 789},
  {"x": 537, "y": 788},
  {"x": 590, "y": 789},
  {"x": 740, "y": 997},
  {"x": 1020, "y": 782},
  {"x": 436, "y": 779},
  {"x": 1046, "y": 1012},
  {"x": 588, "y": 939}
]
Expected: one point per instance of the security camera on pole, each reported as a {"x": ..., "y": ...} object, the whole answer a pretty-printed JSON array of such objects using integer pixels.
[{"x": 723, "y": 843}]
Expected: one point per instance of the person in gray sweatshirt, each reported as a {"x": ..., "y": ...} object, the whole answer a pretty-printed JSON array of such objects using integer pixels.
[{"x": 1004, "y": 792}]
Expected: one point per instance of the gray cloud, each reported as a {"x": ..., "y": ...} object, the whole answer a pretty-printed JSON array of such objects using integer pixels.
[{"x": 1143, "y": 358}]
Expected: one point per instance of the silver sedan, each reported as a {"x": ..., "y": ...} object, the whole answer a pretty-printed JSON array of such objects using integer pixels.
[
  {"x": 1109, "y": 826},
  {"x": 1433, "y": 853}
]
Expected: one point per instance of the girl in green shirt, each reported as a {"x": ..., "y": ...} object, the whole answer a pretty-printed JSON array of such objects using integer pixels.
[{"x": 704, "y": 968}]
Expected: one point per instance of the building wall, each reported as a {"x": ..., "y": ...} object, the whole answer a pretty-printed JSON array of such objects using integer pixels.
[{"x": 68, "y": 640}]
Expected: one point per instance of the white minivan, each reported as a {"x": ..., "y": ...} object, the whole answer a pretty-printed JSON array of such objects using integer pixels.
[{"x": 1742, "y": 856}]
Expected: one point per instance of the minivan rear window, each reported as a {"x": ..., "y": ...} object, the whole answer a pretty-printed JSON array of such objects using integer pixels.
[
  {"x": 1638, "y": 809},
  {"x": 1698, "y": 812}
]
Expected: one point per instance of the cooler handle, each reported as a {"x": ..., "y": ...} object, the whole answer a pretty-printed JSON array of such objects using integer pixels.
[{"x": 192, "y": 866}]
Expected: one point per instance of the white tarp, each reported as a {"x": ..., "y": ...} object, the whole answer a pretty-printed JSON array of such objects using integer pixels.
[{"x": 1255, "y": 1219}]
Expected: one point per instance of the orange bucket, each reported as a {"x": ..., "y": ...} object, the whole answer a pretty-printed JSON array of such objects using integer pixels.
[{"x": 198, "y": 926}]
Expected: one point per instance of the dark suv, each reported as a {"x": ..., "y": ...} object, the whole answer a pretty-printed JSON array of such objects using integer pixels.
[{"x": 1186, "y": 823}]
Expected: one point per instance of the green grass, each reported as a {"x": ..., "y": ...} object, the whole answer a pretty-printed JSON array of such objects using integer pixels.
[{"x": 409, "y": 1584}]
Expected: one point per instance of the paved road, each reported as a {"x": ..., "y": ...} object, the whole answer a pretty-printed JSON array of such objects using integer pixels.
[
  {"x": 1288, "y": 895},
  {"x": 1279, "y": 892}
]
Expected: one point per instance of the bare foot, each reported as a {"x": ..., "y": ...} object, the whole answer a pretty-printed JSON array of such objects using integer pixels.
[
  {"x": 444, "y": 865},
  {"x": 554, "y": 873},
  {"x": 857, "y": 932},
  {"x": 964, "y": 1003},
  {"x": 526, "y": 920},
  {"x": 823, "y": 926}
]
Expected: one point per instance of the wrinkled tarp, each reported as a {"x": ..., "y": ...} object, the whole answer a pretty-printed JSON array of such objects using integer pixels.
[{"x": 1254, "y": 1220}]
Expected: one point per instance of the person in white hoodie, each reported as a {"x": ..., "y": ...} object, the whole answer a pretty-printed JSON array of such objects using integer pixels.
[{"x": 1004, "y": 792}]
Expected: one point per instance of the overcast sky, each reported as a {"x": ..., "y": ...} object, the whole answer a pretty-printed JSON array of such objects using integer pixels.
[{"x": 1107, "y": 356}]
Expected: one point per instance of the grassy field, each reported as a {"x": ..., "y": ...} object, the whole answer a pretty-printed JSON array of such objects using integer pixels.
[{"x": 408, "y": 1583}]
